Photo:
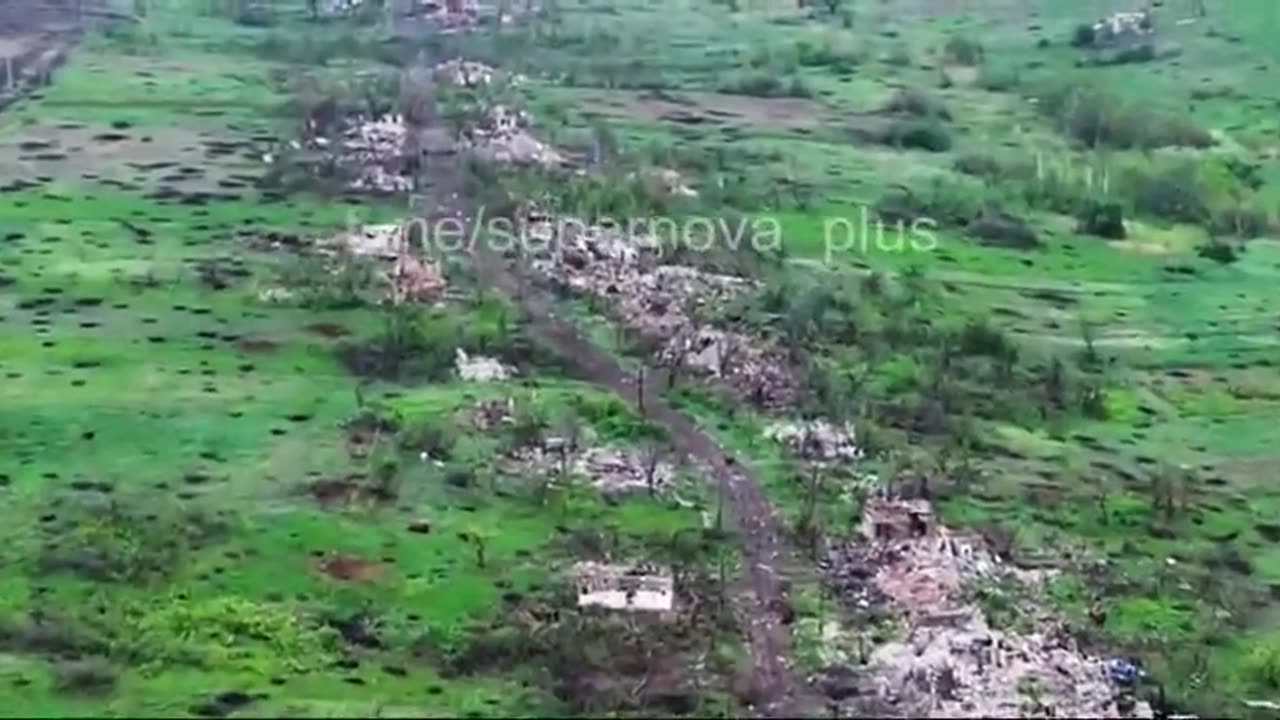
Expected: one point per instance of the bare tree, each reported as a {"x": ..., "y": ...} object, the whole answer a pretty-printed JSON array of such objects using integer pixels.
[{"x": 652, "y": 457}]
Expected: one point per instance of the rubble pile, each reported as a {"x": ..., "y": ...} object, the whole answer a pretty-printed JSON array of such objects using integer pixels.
[
  {"x": 411, "y": 278},
  {"x": 661, "y": 302},
  {"x": 971, "y": 670},
  {"x": 480, "y": 368},
  {"x": 337, "y": 8},
  {"x": 1123, "y": 27},
  {"x": 816, "y": 440},
  {"x": 950, "y": 662},
  {"x": 490, "y": 414},
  {"x": 464, "y": 73},
  {"x": 755, "y": 369},
  {"x": 414, "y": 279},
  {"x": 503, "y": 136},
  {"x": 611, "y": 469},
  {"x": 447, "y": 15},
  {"x": 668, "y": 182},
  {"x": 638, "y": 587},
  {"x": 372, "y": 150},
  {"x": 377, "y": 148},
  {"x": 384, "y": 241}
]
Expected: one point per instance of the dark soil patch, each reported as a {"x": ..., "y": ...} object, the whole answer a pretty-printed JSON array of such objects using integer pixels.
[
  {"x": 326, "y": 329},
  {"x": 222, "y": 704},
  {"x": 351, "y": 568},
  {"x": 336, "y": 490},
  {"x": 257, "y": 345},
  {"x": 357, "y": 630}
]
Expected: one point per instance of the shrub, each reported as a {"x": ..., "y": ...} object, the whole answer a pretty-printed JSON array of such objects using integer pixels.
[
  {"x": 1102, "y": 218},
  {"x": 916, "y": 102},
  {"x": 431, "y": 436},
  {"x": 1084, "y": 36},
  {"x": 945, "y": 202},
  {"x": 1140, "y": 54},
  {"x": 225, "y": 633},
  {"x": 963, "y": 50},
  {"x": 994, "y": 80},
  {"x": 1218, "y": 251},
  {"x": 1004, "y": 229},
  {"x": 930, "y": 135},
  {"x": 829, "y": 52},
  {"x": 978, "y": 165},
  {"x": 900, "y": 56},
  {"x": 978, "y": 337},
  {"x": 126, "y": 545},
  {"x": 1173, "y": 192},
  {"x": 1240, "y": 220},
  {"x": 1097, "y": 118},
  {"x": 767, "y": 84},
  {"x": 1262, "y": 664}
]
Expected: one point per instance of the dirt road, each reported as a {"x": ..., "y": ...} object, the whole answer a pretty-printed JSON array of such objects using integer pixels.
[{"x": 776, "y": 691}]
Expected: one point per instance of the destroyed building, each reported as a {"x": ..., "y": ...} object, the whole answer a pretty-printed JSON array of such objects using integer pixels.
[
  {"x": 949, "y": 660},
  {"x": 633, "y": 588}
]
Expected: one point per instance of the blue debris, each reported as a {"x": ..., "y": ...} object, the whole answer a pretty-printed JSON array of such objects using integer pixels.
[{"x": 1123, "y": 671}]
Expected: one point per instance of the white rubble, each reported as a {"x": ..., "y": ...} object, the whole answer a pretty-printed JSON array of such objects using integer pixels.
[
  {"x": 384, "y": 241},
  {"x": 1123, "y": 27},
  {"x": 968, "y": 669},
  {"x": 410, "y": 276},
  {"x": 756, "y": 369},
  {"x": 633, "y": 588},
  {"x": 609, "y": 468},
  {"x": 448, "y": 15},
  {"x": 949, "y": 661},
  {"x": 816, "y": 439},
  {"x": 373, "y": 151},
  {"x": 464, "y": 73},
  {"x": 480, "y": 368},
  {"x": 661, "y": 302},
  {"x": 503, "y": 136},
  {"x": 336, "y": 8}
]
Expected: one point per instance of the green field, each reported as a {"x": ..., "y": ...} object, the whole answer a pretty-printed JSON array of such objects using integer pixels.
[{"x": 198, "y": 519}]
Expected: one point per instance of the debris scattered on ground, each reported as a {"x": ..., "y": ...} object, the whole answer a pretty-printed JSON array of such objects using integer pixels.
[
  {"x": 275, "y": 295},
  {"x": 414, "y": 279},
  {"x": 503, "y": 136},
  {"x": 950, "y": 662},
  {"x": 384, "y": 241},
  {"x": 757, "y": 370},
  {"x": 667, "y": 181},
  {"x": 480, "y": 368},
  {"x": 411, "y": 277},
  {"x": 816, "y": 440},
  {"x": 636, "y": 588},
  {"x": 371, "y": 152},
  {"x": 465, "y": 73},
  {"x": 490, "y": 414},
  {"x": 447, "y": 15},
  {"x": 661, "y": 302},
  {"x": 609, "y": 468},
  {"x": 1123, "y": 28},
  {"x": 337, "y": 8}
]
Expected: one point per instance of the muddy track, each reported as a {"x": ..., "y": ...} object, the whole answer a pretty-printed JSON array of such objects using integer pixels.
[{"x": 776, "y": 691}]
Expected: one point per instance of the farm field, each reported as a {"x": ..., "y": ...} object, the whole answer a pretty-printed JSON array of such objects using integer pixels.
[{"x": 803, "y": 298}]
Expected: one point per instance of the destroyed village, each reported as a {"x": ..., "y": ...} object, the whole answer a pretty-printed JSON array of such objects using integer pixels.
[{"x": 640, "y": 358}]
